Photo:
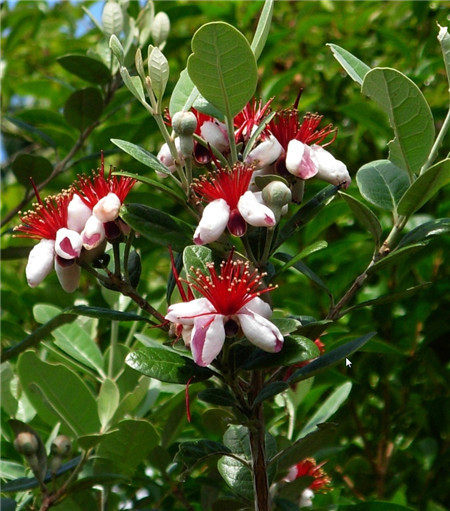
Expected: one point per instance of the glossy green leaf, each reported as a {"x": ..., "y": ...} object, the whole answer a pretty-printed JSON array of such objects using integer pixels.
[
  {"x": 286, "y": 325},
  {"x": 295, "y": 349},
  {"x": 108, "y": 401},
  {"x": 128, "y": 446},
  {"x": 425, "y": 187},
  {"x": 444, "y": 41},
  {"x": 223, "y": 67},
  {"x": 157, "y": 226},
  {"x": 328, "y": 408},
  {"x": 166, "y": 365},
  {"x": 83, "y": 108},
  {"x": 292, "y": 490},
  {"x": 262, "y": 181},
  {"x": 270, "y": 390},
  {"x": 303, "y": 448},
  {"x": 365, "y": 216},
  {"x": 263, "y": 28},
  {"x": 314, "y": 247},
  {"x": 153, "y": 183},
  {"x": 313, "y": 329},
  {"x": 58, "y": 394},
  {"x": 355, "y": 68},
  {"x": 196, "y": 257},
  {"x": 26, "y": 166},
  {"x": 190, "y": 453},
  {"x": 409, "y": 115},
  {"x": 221, "y": 397},
  {"x": 140, "y": 154},
  {"x": 382, "y": 183},
  {"x": 396, "y": 257},
  {"x": 330, "y": 358},
  {"x": 88, "y": 69},
  {"x": 90, "y": 441},
  {"x": 426, "y": 231}
]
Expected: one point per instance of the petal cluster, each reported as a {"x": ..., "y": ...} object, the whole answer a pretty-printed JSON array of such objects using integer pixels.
[
  {"x": 230, "y": 294},
  {"x": 309, "y": 467},
  {"x": 229, "y": 203}
]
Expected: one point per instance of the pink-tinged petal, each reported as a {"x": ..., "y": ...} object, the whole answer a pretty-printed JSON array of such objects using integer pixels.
[
  {"x": 255, "y": 213},
  {"x": 207, "y": 338},
  {"x": 186, "y": 312},
  {"x": 68, "y": 276},
  {"x": 215, "y": 133},
  {"x": 213, "y": 222},
  {"x": 260, "y": 331},
  {"x": 68, "y": 243},
  {"x": 299, "y": 160},
  {"x": 78, "y": 214},
  {"x": 165, "y": 157},
  {"x": 93, "y": 233},
  {"x": 107, "y": 208},
  {"x": 329, "y": 168},
  {"x": 291, "y": 475},
  {"x": 265, "y": 153},
  {"x": 306, "y": 498},
  {"x": 40, "y": 262},
  {"x": 260, "y": 307}
]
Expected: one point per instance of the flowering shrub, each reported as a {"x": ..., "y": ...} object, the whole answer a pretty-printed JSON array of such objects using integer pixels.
[{"x": 247, "y": 176}]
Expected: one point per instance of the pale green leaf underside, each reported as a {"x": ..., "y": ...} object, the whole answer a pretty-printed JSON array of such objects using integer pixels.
[{"x": 355, "y": 68}]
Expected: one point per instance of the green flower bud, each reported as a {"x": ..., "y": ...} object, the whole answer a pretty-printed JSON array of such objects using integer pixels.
[
  {"x": 160, "y": 28},
  {"x": 26, "y": 443},
  {"x": 184, "y": 123},
  {"x": 61, "y": 446},
  {"x": 276, "y": 194}
]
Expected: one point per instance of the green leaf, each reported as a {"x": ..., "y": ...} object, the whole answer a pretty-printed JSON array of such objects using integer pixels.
[
  {"x": 330, "y": 358},
  {"x": 129, "y": 445},
  {"x": 292, "y": 490},
  {"x": 382, "y": 183},
  {"x": 303, "y": 448},
  {"x": 158, "y": 70},
  {"x": 426, "y": 231},
  {"x": 190, "y": 453},
  {"x": 395, "y": 257},
  {"x": 58, "y": 394},
  {"x": 186, "y": 95},
  {"x": 263, "y": 28},
  {"x": 223, "y": 67},
  {"x": 365, "y": 216},
  {"x": 166, "y": 365},
  {"x": 108, "y": 401},
  {"x": 112, "y": 19},
  {"x": 409, "y": 115},
  {"x": 86, "y": 68},
  {"x": 355, "y": 68},
  {"x": 117, "y": 48},
  {"x": 90, "y": 441},
  {"x": 40, "y": 470},
  {"x": 153, "y": 183},
  {"x": 217, "y": 397},
  {"x": 83, "y": 108},
  {"x": 25, "y": 166},
  {"x": 328, "y": 408},
  {"x": 444, "y": 41},
  {"x": 306, "y": 213},
  {"x": 262, "y": 181},
  {"x": 313, "y": 329},
  {"x": 270, "y": 390},
  {"x": 424, "y": 188},
  {"x": 295, "y": 349},
  {"x": 314, "y": 247},
  {"x": 157, "y": 226},
  {"x": 196, "y": 257},
  {"x": 133, "y": 84},
  {"x": 32, "y": 130},
  {"x": 286, "y": 325},
  {"x": 140, "y": 154}
]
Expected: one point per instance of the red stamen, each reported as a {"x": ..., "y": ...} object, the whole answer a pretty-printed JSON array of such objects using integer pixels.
[
  {"x": 227, "y": 184},
  {"x": 308, "y": 467},
  {"x": 36, "y": 191},
  {"x": 249, "y": 117}
]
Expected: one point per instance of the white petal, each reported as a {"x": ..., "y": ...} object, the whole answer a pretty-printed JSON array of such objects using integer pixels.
[
  {"x": 255, "y": 213},
  {"x": 265, "y": 153},
  {"x": 260, "y": 307},
  {"x": 213, "y": 222},
  {"x": 207, "y": 338},
  {"x": 186, "y": 312},
  {"x": 291, "y": 475},
  {"x": 306, "y": 498},
  {"x": 68, "y": 243},
  {"x": 77, "y": 214},
  {"x": 40, "y": 262},
  {"x": 107, "y": 208},
  {"x": 215, "y": 133},
  {"x": 166, "y": 158},
  {"x": 330, "y": 169},
  {"x": 299, "y": 160},
  {"x": 68, "y": 276},
  {"x": 93, "y": 233},
  {"x": 260, "y": 331}
]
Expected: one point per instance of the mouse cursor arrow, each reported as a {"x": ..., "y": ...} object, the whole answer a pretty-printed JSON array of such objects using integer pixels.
[{"x": 348, "y": 363}]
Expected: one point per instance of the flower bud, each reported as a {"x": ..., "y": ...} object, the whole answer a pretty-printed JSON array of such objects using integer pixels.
[
  {"x": 160, "y": 28},
  {"x": 26, "y": 443},
  {"x": 184, "y": 123},
  {"x": 186, "y": 145},
  {"x": 276, "y": 194},
  {"x": 61, "y": 446}
]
